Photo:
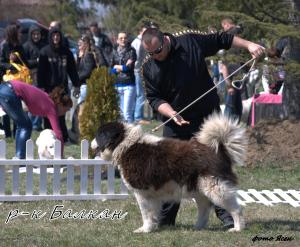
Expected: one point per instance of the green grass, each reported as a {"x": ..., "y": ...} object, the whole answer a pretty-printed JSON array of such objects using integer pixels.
[
  {"x": 24, "y": 231},
  {"x": 261, "y": 220},
  {"x": 270, "y": 176}
]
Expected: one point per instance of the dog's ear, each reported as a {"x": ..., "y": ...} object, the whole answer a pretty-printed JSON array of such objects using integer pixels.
[{"x": 110, "y": 135}]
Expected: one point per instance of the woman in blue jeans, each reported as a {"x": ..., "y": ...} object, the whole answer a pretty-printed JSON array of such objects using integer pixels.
[
  {"x": 12, "y": 105},
  {"x": 38, "y": 103}
]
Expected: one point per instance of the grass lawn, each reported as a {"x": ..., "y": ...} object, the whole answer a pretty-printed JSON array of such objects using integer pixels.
[{"x": 280, "y": 222}]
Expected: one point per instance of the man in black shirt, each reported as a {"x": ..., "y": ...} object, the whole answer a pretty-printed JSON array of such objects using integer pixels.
[
  {"x": 175, "y": 74},
  {"x": 101, "y": 40},
  {"x": 56, "y": 64}
]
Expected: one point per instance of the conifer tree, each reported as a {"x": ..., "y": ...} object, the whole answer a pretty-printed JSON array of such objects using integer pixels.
[{"x": 101, "y": 103}]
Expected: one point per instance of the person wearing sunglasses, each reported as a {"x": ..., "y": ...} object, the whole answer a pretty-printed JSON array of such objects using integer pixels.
[
  {"x": 175, "y": 74},
  {"x": 122, "y": 65}
]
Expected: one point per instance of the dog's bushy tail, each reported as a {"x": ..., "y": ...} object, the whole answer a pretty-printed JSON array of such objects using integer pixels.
[{"x": 219, "y": 130}]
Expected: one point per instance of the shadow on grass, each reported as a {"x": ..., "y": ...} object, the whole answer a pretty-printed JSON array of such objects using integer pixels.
[
  {"x": 191, "y": 227},
  {"x": 269, "y": 225},
  {"x": 275, "y": 225}
]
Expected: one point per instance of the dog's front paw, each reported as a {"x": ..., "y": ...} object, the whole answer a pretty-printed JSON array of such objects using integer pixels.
[
  {"x": 142, "y": 230},
  {"x": 139, "y": 230},
  {"x": 234, "y": 230}
]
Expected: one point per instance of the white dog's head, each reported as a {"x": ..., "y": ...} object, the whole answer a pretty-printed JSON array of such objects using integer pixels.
[{"x": 45, "y": 143}]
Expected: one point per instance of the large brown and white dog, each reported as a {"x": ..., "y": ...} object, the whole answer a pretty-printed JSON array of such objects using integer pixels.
[{"x": 158, "y": 170}]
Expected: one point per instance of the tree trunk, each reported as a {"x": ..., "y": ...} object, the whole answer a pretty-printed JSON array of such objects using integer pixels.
[
  {"x": 291, "y": 98},
  {"x": 291, "y": 90}
]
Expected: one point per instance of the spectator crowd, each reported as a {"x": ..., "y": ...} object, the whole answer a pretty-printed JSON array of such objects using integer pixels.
[{"x": 53, "y": 65}]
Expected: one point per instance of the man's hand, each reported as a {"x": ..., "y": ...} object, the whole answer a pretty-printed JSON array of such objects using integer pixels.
[
  {"x": 118, "y": 68},
  {"x": 256, "y": 50},
  {"x": 76, "y": 92},
  {"x": 12, "y": 57},
  {"x": 130, "y": 61},
  {"x": 230, "y": 91},
  {"x": 178, "y": 119}
]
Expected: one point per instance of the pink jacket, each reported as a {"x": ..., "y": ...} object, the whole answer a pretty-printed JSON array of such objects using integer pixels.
[{"x": 39, "y": 103}]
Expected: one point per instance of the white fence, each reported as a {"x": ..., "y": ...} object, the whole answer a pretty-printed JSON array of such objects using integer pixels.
[
  {"x": 269, "y": 198},
  {"x": 55, "y": 180}
]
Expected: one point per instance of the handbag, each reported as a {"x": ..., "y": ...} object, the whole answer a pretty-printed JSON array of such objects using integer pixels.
[{"x": 22, "y": 74}]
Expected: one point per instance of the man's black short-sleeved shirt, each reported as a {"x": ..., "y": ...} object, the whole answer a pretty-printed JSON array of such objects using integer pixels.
[{"x": 184, "y": 76}]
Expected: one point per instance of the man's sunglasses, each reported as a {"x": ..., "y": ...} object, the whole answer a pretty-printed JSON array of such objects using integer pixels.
[{"x": 158, "y": 50}]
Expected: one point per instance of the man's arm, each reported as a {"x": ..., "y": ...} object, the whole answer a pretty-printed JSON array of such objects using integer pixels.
[
  {"x": 42, "y": 71},
  {"x": 72, "y": 70},
  {"x": 156, "y": 101},
  {"x": 255, "y": 50},
  {"x": 167, "y": 110}
]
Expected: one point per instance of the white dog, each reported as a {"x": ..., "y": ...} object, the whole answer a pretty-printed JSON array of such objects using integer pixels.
[
  {"x": 45, "y": 143},
  {"x": 158, "y": 169}
]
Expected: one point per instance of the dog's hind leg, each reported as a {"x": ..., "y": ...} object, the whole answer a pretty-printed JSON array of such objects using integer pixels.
[
  {"x": 222, "y": 194},
  {"x": 204, "y": 206},
  {"x": 150, "y": 209},
  {"x": 231, "y": 205}
]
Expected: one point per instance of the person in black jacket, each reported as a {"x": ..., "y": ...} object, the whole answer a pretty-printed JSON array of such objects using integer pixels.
[
  {"x": 123, "y": 59},
  {"x": 57, "y": 25},
  {"x": 10, "y": 46},
  {"x": 86, "y": 63},
  {"x": 56, "y": 63},
  {"x": 32, "y": 49},
  {"x": 101, "y": 40},
  {"x": 175, "y": 74}
]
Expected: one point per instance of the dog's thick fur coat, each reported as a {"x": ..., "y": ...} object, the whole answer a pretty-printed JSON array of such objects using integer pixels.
[
  {"x": 45, "y": 143},
  {"x": 162, "y": 169}
]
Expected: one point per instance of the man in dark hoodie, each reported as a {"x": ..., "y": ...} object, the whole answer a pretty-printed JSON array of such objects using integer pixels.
[
  {"x": 56, "y": 63},
  {"x": 32, "y": 50}
]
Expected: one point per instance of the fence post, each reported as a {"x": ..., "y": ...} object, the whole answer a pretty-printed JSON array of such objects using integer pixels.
[
  {"x": 97, "y": 177},
  {"x": 110, "y": 179},
  {"x": 15, "y": 178},
  {"x": 29, "y": 168},
  {"x": 84, "y": 168},
  {"x": 56, "y": 172},
  {"x": 70, "y": 179},
  {"x": 2, "y": 168}
]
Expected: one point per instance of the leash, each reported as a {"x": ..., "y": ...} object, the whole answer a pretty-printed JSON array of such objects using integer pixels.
[
  {"x": 196, "y": 100},
  {"x": 238, "y": 84}
]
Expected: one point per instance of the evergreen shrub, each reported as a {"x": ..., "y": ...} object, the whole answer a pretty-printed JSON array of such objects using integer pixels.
[{"x": 101, "y": 104}]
